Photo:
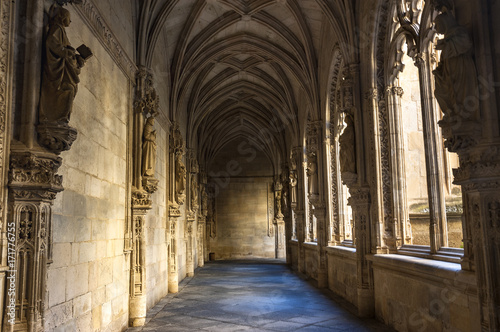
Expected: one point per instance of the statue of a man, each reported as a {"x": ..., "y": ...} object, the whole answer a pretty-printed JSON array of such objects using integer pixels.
[
  {"x": 312, "y": 173},
  {"x": 149, "y": 148},
  {"x": 277, "y": 202},
  {"x": 180, "y": 173},
  {"x": 456, "y": 76},
  {"x": 347, "y": 142},
  {"x": 60, "y": 72},
  {"x": 194, "y": 192},
  {"x": 293, "y": 184}
]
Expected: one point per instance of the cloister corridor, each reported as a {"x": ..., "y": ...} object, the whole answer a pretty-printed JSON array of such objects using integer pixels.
[{"x": 252, "y": 295}]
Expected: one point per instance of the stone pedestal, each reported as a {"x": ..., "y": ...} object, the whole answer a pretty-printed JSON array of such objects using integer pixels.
[
  {"x": 279, "y": 235},
  {"x": 137, "y": 308}
]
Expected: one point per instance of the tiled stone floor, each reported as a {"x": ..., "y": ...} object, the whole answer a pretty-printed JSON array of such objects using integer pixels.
[{"x": 256, "y": 295}]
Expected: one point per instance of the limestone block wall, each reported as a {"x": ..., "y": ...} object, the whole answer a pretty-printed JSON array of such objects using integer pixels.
[
  {"x": 342, "y": 273},
  {"x": 413, "y": 294},
  {"x": 242, "y": 220},
  {"x": 243, "y": 178},
  {"x": 88, "y": 282},
  {"x": 311, "y": 263}
]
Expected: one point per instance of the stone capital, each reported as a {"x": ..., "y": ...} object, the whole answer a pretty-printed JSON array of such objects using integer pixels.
[{"x": 33, "y": 176}]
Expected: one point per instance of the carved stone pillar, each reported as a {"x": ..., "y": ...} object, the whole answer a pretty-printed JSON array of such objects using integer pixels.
[
  {"x": 360, "y": 204},
  {"x": 479, "y": 176},
  {"x": 201, "y": 240},
  {"x": 141, "y": 204},
  {"x": 173, "y": 275},
  {"x": 143, "y": 185},
  {"x": 190, "y": 222},
  {"x": 299, "y": 215},
  {"x": 33, "y": 185},
  {"x": 400, "y": 222},
  {"x": 177, "y": 194},
  {"x": 278, "y": 221},
  {"x": 322, "y": 240}
]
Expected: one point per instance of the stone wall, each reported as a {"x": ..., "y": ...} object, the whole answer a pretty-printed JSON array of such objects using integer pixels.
[
  {"x": 342, "y": 272},
  {"x": 243, "y": 185},
  {"x": 311, "y": 260},
  {"x": 88, "y": 281},
  {"x": 421, "y": 295}
]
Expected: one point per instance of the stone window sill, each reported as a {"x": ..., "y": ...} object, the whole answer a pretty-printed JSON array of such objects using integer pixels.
[
  {"x": 452, "y": 255},
  {"x": 424, "y": 268},
  {"x": 311, "y": 245},
  {"x": 342, "y": 251}
]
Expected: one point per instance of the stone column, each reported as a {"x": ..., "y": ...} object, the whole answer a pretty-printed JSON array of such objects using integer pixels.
[
  {"x": 301, "y": 263},
  {"x": 190, "y": 222},
  {"x": 360, "y": 203},
  {"x": 177, "y": 193},
  {"x": 173, "y": 275},
  {"x": 143, "y": 185},
  {"x": 278, "y": 221},
  {"x": 321, "y": 222},
  {"x": 201, "y": 240},
  {"x": 33, "y": 185}
]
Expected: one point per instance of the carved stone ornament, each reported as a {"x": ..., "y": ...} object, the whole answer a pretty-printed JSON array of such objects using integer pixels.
[
  {"x": 146, "y": 100},
  {"x": 194, "y": 193},
  {"x": 141, "y": 200},
  {"x": 457, "y": 89},
  {"x": 61, "y": 68},
  {"x": 34, "y": 176},
  {"x": 56, "y": 137},
  {"x": 347, "y": 142},
  {"x": 150, "y": 184}
]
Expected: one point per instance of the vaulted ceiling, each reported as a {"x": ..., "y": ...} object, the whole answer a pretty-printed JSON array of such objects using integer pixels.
[{"x": 241, "y": 68}]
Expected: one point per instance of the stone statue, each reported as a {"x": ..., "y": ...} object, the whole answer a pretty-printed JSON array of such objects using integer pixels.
[
  {"x": 277, "y": 202},
  {"x": 194, "y": 193},
  {"x": 204, "y": 201},
  {"x": 455, "y": 75},
  {"x": 60, "y": 71},
  {"x": 285, "y": 200},
  {"x": 293, "y": 184},
  {"x": 180, "y": 179},
  {"x": 347, "y": 142},
  {"x": 149, "y": 148},
  {"x": 312, "y": 173}
]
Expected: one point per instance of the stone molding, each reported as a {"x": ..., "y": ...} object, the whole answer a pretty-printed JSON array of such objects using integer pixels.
[{"x": 95, "y": 21}]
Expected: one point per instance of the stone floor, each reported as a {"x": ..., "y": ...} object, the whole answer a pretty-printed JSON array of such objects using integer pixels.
[{"x": 251, "y": 295}]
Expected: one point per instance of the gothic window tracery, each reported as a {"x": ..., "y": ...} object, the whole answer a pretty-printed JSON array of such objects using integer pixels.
[{"x": 428, "y": 205}]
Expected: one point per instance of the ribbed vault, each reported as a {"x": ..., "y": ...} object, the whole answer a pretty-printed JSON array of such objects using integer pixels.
[{"x": 243, "y": 69}]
